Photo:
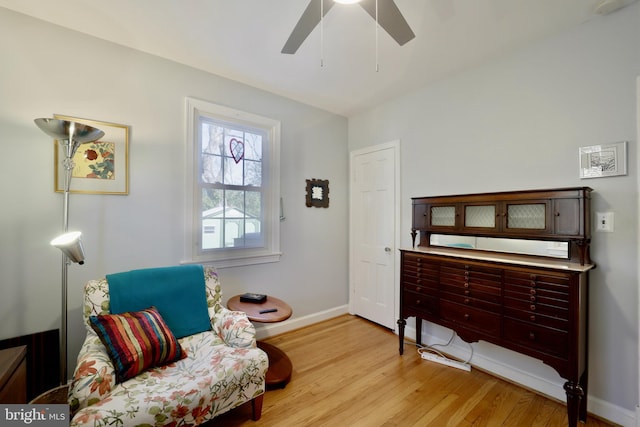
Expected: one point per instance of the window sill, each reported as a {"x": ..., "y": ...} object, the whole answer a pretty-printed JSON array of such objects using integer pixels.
[{"x": 235, "y": 262}]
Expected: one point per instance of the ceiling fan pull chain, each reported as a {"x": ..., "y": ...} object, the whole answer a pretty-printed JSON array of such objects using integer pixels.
[{"x": 377, "y": 26}]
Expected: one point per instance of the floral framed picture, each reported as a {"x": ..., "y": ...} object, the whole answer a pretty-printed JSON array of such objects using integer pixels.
[
  {"x": 100, "y": 167},
  {"x": 598, "y": 161}
]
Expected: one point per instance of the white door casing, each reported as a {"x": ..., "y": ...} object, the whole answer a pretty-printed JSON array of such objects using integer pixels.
[
  {"x": 373, "y": 230},
  {"x": 638, "y": 237}
]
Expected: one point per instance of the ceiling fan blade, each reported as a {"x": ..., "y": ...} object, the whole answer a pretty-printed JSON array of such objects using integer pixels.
[
  {"x": 307, "y": 22},
  {"x": 390, "y": 18}
]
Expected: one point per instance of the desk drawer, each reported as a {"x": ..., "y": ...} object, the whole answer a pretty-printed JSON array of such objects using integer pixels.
[
  {"x": 471, "y": 299},
  {"x": 529, "y": 308},
  {"x": 537, "y": 318},
  {"x": 470, "y": 317},
  {"x": 546, "y": 340},
  {"x": 419, "y": 302}
]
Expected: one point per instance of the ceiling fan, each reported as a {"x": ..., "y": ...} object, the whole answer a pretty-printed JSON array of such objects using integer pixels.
[{"x": 389, "y": 18}]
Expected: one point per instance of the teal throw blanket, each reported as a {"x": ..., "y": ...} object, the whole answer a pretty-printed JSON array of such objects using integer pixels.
[{"x": 177, "y": 292}]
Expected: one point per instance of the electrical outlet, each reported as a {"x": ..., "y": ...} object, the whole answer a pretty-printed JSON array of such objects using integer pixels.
[{"x": 604, "y": 221}]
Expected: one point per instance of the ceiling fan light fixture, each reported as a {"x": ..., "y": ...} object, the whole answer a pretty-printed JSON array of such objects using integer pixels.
[{"x": 347, "y": 1}]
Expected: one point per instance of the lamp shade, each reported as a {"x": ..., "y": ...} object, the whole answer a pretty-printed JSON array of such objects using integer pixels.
[
  {"x": 59, "y": 129},
  {"x": 71, "y": 245}
]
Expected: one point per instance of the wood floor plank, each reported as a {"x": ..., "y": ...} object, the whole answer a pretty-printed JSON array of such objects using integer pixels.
[{"x": 347, "y": 372}]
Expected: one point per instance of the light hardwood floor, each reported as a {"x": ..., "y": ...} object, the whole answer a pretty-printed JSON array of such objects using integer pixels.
[{"x": 347, "y": 372}]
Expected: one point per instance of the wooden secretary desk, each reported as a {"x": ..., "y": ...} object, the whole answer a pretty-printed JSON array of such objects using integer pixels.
[{"x": 533, "y": 304}]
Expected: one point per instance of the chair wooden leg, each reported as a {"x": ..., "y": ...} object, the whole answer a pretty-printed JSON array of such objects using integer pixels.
[{"x": 256, "y": 407}]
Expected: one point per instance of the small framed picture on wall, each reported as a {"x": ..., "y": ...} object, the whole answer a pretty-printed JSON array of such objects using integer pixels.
[
  {"x": 317, "y": 193},
  {"x": 597, "y": 161}
]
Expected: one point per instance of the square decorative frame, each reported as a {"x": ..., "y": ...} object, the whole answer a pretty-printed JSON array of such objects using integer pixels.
[
  {"x": 105, "y": 180},
  {"x": 318, "y": 193},
  {"x": 597, "y": 161}
]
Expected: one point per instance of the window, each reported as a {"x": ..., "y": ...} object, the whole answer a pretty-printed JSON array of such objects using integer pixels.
[{"x": 233, "y": 186}]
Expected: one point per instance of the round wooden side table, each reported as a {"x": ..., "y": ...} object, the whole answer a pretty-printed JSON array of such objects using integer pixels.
[
  {"x": 57, "y": 395},
  {"x": 280, "y": 367}
]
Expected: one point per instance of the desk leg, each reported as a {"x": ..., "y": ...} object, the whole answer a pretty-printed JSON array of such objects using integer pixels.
[
  {"x": 575, "y": 395},
  {"x": 401, "y": 325},
  {"x": 280, "y": 367}
]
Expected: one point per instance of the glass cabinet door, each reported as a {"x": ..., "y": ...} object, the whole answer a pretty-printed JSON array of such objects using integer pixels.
[
  {"x": 443, "y": 216},
  {"x": 527, "y": 216},
  {"x": 480, "y": 216}
]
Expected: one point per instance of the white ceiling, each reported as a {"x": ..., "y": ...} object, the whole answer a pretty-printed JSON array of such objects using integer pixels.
[{"x": 242, "y": 40}]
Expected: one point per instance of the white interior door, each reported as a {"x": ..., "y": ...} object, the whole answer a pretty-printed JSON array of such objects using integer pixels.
[{"x": 373, "y": 233}]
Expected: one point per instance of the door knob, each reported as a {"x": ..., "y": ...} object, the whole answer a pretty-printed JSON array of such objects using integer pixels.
[{"x": 387, "y": 249}]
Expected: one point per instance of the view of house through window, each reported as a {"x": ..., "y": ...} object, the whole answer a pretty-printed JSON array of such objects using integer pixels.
[
  {"x": 235, "y": 160},
  {"x": 231, "y": 180}
]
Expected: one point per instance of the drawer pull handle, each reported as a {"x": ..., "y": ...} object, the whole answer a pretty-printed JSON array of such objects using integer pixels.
[
  {"x": 466, "y": 300},
  {"x": 532, "y": 336},
  {"x": 467, "y": 316},
  {"x": 418, "y": 288},
  {"x": 532, "y": 307},
  {"x": 533, "y": 291},
  {"x": 533, "y": 298},
  {"x": 466, "y": 285},
  {"x": 418, "y": 302},
  {"x": 532, "y": 318},
  {"x": 533, "y": 284}
]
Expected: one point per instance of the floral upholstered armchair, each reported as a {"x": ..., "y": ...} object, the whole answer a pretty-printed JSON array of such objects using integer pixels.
[{"x": 182, "y": 381}]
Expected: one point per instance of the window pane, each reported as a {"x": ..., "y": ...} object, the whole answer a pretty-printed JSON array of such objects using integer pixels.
[
  {"x": 242, "y": 222},
  {"x": 253, "y": 173},
  {"x": 253, "y": 236},
  {"x": 211, "y": 169},
  {"x": 237, "y": 223},
  {"x": 253, "y": 146},
  {"x": 253, "y": 203},
  {"x": 212, "y": 138},
  {"x": 233, "y": 172},
  {"x": 212, "y": 149},
  {"x": 212, "y": 217}
]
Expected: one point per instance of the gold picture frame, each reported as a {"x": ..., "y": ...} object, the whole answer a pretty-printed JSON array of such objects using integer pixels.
[{"x": 101, "y": 167}]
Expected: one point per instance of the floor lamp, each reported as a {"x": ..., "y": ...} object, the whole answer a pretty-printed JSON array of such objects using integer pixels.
[{"x": 70, "y": 135}]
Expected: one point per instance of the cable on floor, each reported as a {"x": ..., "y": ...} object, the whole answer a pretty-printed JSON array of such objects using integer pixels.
[{"x": 431, "y": 349}]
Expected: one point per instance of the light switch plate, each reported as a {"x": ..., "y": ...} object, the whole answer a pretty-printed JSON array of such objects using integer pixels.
[{"x": 604, "y": 221}]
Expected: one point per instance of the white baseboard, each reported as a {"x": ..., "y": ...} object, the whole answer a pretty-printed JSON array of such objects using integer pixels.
[
  {"x": 265, "y": 330},
  {"x": 548, "y": 387}
]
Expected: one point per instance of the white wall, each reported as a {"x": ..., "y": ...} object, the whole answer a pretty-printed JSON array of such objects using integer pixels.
[
  {"x": 45, "y": 70},
  {"x": 514, "y": 123}
]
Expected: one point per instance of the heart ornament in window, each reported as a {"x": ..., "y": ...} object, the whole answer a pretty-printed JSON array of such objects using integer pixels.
[{"x": 237, "y": 149}]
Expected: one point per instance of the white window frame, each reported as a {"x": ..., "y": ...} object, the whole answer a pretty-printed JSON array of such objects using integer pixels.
[{"x": 231, "y": 257}]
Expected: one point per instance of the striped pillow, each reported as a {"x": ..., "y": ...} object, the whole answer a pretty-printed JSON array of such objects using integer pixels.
[{"x": 136, "y": 341}]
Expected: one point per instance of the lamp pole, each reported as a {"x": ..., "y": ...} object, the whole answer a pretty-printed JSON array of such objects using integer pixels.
[
  {"x": 71, "y": 135},
  {"x": 68, "y": 169}
]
